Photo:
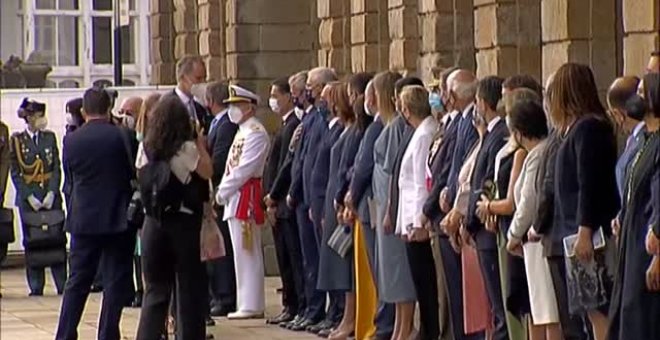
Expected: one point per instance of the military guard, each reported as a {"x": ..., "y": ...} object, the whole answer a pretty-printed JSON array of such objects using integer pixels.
[
  {"x": 35, "y": 171},
  {"x": 6, "y": 236},
  {"x": 240, "y": 191}
]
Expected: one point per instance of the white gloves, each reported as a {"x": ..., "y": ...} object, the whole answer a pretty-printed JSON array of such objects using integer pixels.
[
  {"x": 34, "y": 203},
  {"x": 49, "y": 200}
]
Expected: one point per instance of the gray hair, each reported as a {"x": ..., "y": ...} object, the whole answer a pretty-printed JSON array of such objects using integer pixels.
[
  {"x": 298, "y": 80},
  {"x": 218, "y": 91},
  {"x": 186, "y": 65},
  {"x": 323, "y": 75}
]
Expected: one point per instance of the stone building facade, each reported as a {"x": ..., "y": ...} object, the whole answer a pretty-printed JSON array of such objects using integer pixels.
[{"x": 255, "y": 41}]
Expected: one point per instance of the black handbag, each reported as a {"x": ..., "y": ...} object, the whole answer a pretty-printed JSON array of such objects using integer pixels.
[
  {"x": 45, "y": 257},
  {"x": 7, "y": 225},
  {"x": 43, "y": 229},
  {"x": 135, "y": 213}
]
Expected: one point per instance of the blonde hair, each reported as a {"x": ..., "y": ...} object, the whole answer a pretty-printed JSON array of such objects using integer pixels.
[
  {"x": 416, "y": 99},
  {"x": 383, "y": 85},
  {"x": 147, "y": 105}
]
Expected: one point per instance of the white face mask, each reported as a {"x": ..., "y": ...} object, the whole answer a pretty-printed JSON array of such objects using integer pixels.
[
  {"x": 69, "y": 119},
  {"x": 199, "y": 92},
  {"x": 41, "y": 123},
  {"x": 129, "y": 122},
  {"x": 366, "y": 109},
  {"x": 235, "y": 114},
  {"x": 272, "y": 102}
]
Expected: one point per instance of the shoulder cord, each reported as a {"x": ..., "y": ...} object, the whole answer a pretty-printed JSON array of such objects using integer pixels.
[{"x": 37, "y": 167}]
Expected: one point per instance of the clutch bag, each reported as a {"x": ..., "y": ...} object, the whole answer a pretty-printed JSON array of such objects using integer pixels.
[{"x": 341, "y": 240}]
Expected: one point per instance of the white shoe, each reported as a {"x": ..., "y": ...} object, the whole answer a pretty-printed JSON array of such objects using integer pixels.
[{"x": 245, "y": 315}]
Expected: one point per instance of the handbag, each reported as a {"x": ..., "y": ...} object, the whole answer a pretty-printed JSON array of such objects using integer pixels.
[
  {"x": 341, "y": 240},
  {"x": 43, "y": 229},
  {"x": 135, "y": 213},
  {"x": 7, "y": 225},
  {"x": 212, "y": 244}
]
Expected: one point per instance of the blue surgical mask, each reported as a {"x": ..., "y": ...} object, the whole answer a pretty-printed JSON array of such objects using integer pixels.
[
  {"x": 436, "y": 102},
  {"x": 139, "y": 136}
]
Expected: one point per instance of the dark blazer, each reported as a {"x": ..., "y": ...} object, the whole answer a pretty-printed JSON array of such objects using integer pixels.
[
  {"x": 97, "y": 166},
  {"x": 407, "y": 134},
  {"x": 465, "y": 141},
  {"x": 349, "y": 151},
  {"x": 363, "y": 170},
  {"x": 313, "y": 143},
  {"x": 441, "y": 164},
  {"x": 321, "y": 170},
  {"x": 484, "y": 170},
  {"x": 202, "y": 114},
  {"x": 585, "y": 185},
  {"x": 655, "y": 196},
  {"x": 219, "y": 143},
  {"x": 278, "y": 157},
  {"x": 298, "y": 158}
]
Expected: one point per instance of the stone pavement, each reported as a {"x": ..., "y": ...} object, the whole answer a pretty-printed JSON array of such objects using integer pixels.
[{"x": 26, "y": 318}]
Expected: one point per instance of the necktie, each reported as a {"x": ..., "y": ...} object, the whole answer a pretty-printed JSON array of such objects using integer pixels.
[
  {"x": 35, "y": 138},
  {"x": 214, "y": 124},
  {"x": 191, "y": 110}
]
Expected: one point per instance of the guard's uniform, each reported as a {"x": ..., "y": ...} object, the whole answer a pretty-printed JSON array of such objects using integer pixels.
[
  {"x": 240, "y": 191},
  {"x": 35, "y": 171}
]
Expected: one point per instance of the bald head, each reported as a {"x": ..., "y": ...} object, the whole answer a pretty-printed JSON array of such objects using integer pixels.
[
  {"x": 462, "y": 86},
  {"x": 620, "y": 91},
  {"x": 131, "y": 106}
]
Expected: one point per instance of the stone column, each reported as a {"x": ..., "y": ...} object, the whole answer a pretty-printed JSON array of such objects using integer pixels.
[
  {"x": 266, "y": 40},
  {"x": 185, "y": 26},
  {"x": 404, "y": 35},
  {"x": 335, "y": 34},
  {"x": 211, "y": 23},
  {"x": 369, "y": 36},
  {"x": 583, "y": 32},
  {"x": 641, "y": 21},
  {"x": 507, "y": 37},
  {"x": 162, "y": 42}
]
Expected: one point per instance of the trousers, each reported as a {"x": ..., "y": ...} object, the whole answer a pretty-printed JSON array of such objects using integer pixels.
[
  {"x": 422, "y": 268},
  {"x": 289, "y": 260},
  {"x": 171, "y": 261},
  {"x": 249, "y": 266}
]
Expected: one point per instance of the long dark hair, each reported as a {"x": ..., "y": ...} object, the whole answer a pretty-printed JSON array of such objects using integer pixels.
[
  {"x": 169, "y": 128},
  {"x": 652, "y": 93},
  {"x": 362, "y": 118}
]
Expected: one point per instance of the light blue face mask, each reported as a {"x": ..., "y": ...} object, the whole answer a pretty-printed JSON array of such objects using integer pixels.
[
  {"x": 436, "y": 102},
  {"x": 139, "y": 136}
]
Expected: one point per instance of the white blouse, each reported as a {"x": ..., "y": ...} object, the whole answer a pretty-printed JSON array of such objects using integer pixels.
[
  {"x": 183, "y": 164},
  {"x": 525, "y": 196}
]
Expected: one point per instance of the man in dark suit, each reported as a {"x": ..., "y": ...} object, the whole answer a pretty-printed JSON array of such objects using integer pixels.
[
  {"x": 299, "y": 196},
  {"x": 222, "y": 280},
  {"x": 489, "y": 94},
  {"x": 191, "y": 73},
  {"x": 285, "y": 229},
  {"x": 98, "y": 167}
]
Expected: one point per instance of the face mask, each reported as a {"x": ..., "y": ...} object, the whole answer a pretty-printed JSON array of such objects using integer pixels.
[
  {"x": 309, "y": 96},
  {"x": 139, "y": 136},
  {"x": 298, "y": 103},
  {"x": 636, "y": 107},
  {"x": 323, "y": 107},
  {"x": 272, "y": 102},
  {"x": 508, "y": 122},
  {"x": 235, "y": 114},
  {"x": 298, "y": 112},
  {"x": 436, "y": 102},
  {"x": 69, "y": 119},
  {"x": 199, "y": 92},
  {"x": 129, "y": 122},
  {"x": 41, "y": 123}
]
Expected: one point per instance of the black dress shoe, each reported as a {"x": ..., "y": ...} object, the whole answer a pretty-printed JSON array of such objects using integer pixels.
[
  {"x": 218, "y": 311},
  {"x": 299, "y": 327},
  {"x": 209, "y": 337},
  {"x": 96, "y": 289},
  {"x": 295, "y": 320},
  {"x": 324, "y": 333},
  {"x": 36, "y": 294},
  {"x": 285, "y": 316},
  {"x": 210, "y": 322},
  {"x": 315, "y": 329}
]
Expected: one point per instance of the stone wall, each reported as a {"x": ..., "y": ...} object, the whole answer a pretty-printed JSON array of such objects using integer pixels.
[
  {"x": 334, "y": 34},
  {"x": 641, "y": 22},
  {"x": 162, "y": 42},
  {"x": 370, "y": 40}
]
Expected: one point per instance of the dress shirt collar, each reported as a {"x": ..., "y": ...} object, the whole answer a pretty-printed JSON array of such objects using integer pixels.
[
  {"x": 32, "y": 134},
  {"x": 309, "y": 109},
  {"x": 247, "y": 124},
  {"x": 286, "y": 116},
  {"x": 638, "y": 129},
  {"x": 467, "y": 110},
  {"x": 220, "y": 115},
  {"x": 184, "y": 97},
  {"x": 493, "y": 122},
  {"x": 333, "y": 122}
]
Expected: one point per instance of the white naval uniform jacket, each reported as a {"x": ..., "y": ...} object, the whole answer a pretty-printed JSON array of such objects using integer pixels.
[
  {"x": 246, "y": 160},
  {"x": 412, "y": 178}
]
